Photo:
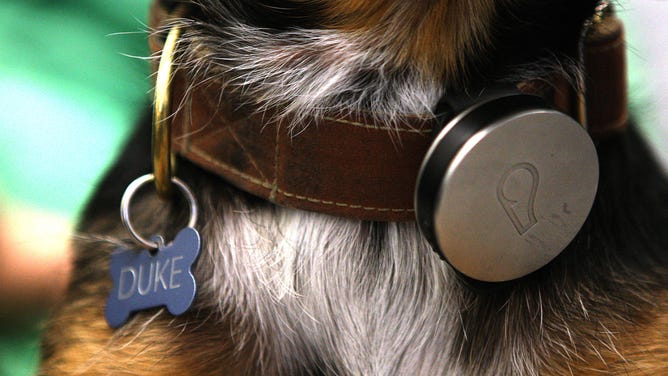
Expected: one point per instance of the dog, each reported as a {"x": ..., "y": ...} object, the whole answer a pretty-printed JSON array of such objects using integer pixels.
[{"x": 292, "y": 291}]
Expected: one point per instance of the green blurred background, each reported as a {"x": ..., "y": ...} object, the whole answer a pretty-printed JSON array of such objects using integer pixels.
[
  {"x": 71, "y": 87},
  {"x": 69, "y": 94}
]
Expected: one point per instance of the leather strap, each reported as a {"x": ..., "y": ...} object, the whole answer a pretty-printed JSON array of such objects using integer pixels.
[
  {"x": 606, "y": 75},
  {"x": 349, "y": 166},
  {"x": 346, "y": 167}
]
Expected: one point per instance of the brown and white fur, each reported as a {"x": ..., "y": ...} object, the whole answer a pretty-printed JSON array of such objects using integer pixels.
[{"x": 289, "y": 292}]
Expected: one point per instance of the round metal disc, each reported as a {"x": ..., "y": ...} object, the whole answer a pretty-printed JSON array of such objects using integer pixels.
[{"x": 515, "y": 195}]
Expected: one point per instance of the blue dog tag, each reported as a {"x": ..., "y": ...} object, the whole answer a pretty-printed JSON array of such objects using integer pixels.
[{"x": 143, "y": 281}]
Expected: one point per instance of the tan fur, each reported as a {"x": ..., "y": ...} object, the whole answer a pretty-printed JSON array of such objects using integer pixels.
[
  {"x": 433, "y": 45},
  {"x": 87, "y": 346},
  {"x": 79, "y": 341},
  {"x": 622, "y": 348}
]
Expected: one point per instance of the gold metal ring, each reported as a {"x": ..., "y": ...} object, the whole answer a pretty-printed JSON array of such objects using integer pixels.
[{"x": 162, "y": 153}]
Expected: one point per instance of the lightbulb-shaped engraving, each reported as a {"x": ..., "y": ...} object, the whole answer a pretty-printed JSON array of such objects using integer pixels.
[{"x": 517, "y": 194}]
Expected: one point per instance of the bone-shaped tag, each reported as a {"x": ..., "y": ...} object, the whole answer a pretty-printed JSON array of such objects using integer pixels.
[{"x": 143, "y": 281}]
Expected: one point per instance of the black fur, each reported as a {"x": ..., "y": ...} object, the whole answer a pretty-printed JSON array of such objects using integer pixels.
[
  {"x": 272, "y": 15},
  {"x": 538, "y": 30}
]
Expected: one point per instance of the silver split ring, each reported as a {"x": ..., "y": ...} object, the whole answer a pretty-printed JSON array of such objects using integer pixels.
[{"x": 130, "y": 192}]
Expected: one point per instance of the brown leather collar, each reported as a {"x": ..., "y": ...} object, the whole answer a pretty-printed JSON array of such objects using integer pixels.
[{"x": 352, "y": 166}]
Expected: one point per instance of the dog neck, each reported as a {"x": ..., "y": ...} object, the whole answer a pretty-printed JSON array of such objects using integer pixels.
[{"x": 304, "y": 162}]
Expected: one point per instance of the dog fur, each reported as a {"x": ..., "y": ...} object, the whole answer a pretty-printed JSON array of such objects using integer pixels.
[{"x": 288, "y": 292}]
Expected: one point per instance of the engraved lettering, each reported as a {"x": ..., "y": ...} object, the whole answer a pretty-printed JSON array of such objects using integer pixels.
[
  {"x": 160, "y": 275},
  {"x": 124, "y": 294},
  {"x": 516, "y": 193},
  {"x": 174, "y": 271},
  {"x": 148, "y": 279}
]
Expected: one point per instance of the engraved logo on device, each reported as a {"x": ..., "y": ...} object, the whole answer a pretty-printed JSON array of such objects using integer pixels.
[{"x": 516, "y": 193}]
